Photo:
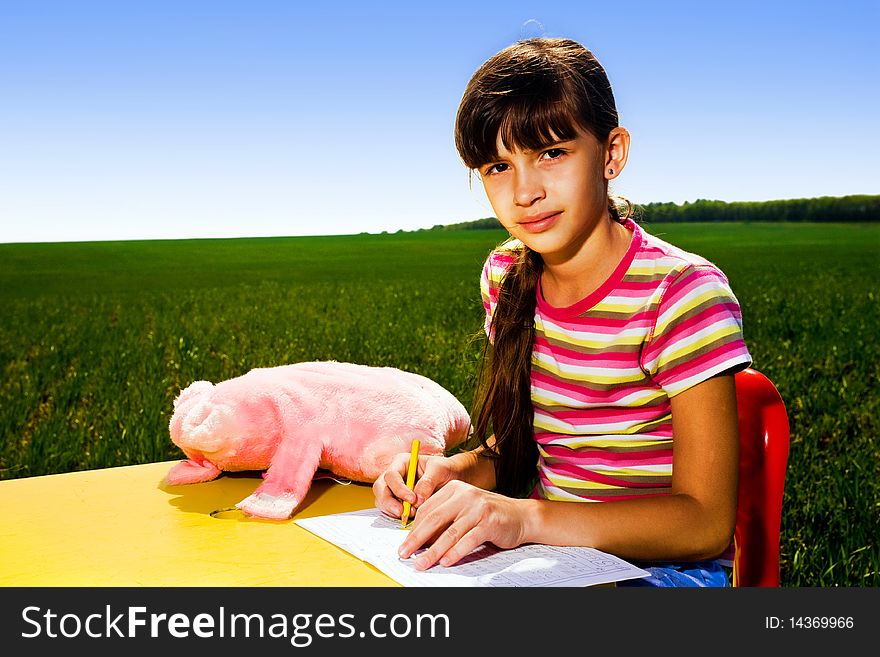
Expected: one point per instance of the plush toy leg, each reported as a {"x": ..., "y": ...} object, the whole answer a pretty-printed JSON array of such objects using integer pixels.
[
  {"x": 287, "y": 480},
  {"x": 191, "y": 472}
]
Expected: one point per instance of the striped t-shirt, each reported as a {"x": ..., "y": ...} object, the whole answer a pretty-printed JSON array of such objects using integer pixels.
[{"x": 604, "y": 369}]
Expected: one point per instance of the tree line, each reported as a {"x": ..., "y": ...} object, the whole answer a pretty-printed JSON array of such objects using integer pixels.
[{"x": 854, "y": 208}]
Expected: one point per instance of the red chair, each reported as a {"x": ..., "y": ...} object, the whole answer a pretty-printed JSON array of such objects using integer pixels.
[{"x": 763, "y": 458}]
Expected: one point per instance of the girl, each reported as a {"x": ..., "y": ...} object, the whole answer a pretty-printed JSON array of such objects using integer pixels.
[{"x": 608, "y": 372}]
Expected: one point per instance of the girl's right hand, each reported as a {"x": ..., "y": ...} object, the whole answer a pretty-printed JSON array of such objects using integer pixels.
[{"x": 432, "y": 473}]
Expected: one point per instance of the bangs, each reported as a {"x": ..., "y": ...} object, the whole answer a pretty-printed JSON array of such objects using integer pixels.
[{"x": 526, "y": 119}]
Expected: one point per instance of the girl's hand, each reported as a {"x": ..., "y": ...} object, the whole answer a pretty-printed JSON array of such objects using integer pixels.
[
  {"x": 460, "y": 517},
  {"x": 390, "y": 490}
]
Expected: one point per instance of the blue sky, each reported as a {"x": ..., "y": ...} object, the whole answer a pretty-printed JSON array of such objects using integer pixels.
[{"x": 161, "y": 119}]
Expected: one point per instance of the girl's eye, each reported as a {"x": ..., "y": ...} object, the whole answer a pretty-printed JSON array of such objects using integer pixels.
[
  {"x": 553, "y": 153},
  {"x": 495, "y": 168}
]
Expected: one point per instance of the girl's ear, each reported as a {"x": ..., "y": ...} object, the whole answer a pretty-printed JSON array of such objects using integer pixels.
[{"x": 616, "y": 152}]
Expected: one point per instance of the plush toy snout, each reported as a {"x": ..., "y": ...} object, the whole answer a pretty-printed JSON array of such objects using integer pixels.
[
  {"x": 205, "y": 427},
  {"x": 198, "y": 423}
]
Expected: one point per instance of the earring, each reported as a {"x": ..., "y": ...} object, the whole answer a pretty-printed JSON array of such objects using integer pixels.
[{"x": 610, "y": 172}]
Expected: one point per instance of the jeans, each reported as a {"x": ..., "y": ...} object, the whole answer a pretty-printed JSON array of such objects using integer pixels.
[{"x": 697, "y": 573}]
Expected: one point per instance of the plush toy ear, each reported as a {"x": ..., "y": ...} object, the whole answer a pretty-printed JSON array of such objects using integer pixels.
[
  {"x": 191, "y": 472},
  {"x": 194, "y": 389}
]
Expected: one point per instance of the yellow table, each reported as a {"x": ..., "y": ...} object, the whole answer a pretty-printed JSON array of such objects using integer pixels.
[{"x": 124, "y": 527}]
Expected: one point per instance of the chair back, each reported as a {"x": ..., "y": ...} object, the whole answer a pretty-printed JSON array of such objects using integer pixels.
[{"x": 763, "y": 459}]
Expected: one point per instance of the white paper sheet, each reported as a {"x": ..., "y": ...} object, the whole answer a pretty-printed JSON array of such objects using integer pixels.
[{"x": 374, "y": 538}]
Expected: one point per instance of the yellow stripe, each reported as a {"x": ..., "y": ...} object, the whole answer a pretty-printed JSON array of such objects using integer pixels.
[
  {"x": 580, "y": 484},
  {"x": 540, "y": 397},
  {"x": 630, "y": 430},
  {"x": 714, "y": 337},
  {"x": 631, "y": 308},
  {"x": 689, "y": 305},
  {"x": 636, "y": 376},
  {"x": 591, "y": 443},
  {"x": 632, "y": 472},
  {"x": 653, "y": 269},
  {"x": 569, "y": 339}
]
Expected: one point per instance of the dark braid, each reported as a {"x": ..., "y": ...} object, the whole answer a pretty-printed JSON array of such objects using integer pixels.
[{"x": 507, "y": 407}]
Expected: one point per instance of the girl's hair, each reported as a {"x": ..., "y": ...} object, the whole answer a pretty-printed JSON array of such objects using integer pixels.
[{"x": 532, "y": 93}]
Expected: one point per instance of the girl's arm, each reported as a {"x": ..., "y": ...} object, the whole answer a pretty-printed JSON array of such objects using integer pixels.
[{"x": 695, "y": 521}]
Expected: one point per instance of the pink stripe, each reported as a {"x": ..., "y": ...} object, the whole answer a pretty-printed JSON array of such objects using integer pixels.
[
  {"x": 582, "y": 393},
  {"x": 596, "y": 496},
  {"x": 639, "y": 286},
  {"x": 571, "y": 356},
  {"x": 587, "y": 475},
  {"x": 691, "y": 279},
  {"x": 617, "y": 498},
  {"x": 604, "y": 325},
  {"x": 716, "y": 313},
  {"x": 662, "y": 432},
  {"x": 720, "y": 313},
  {"x": 576, "y": 391},
  {"x": 703, "y": 363},
  {"x": 579, "y": 417},
  {"x": 621, "y": 459},
  {"x": 503, "y": 257},
  {"x": 610, "y": 365}
]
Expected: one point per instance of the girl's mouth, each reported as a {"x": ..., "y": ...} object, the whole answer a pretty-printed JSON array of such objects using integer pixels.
[{"x": 540, "y": 223}]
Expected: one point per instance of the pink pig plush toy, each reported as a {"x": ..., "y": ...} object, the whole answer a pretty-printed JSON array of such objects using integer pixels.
[{"x": 293, "y": 419}]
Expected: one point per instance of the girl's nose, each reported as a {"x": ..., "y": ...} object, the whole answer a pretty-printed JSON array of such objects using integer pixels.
[{"x": 528, "y": 187}]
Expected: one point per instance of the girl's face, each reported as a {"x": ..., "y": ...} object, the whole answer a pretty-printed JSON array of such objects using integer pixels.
[{"x": 551, "y": 199}]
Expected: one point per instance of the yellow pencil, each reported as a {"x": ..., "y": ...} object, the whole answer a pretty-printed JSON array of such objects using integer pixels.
[{"x": 410, "y": 478}]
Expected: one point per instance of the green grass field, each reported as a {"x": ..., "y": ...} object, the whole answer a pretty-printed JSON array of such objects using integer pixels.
[{"x": 98, "y": 338}]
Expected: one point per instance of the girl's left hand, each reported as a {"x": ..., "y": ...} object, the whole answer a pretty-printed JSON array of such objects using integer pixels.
[{"x": 460, "y": 517}]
